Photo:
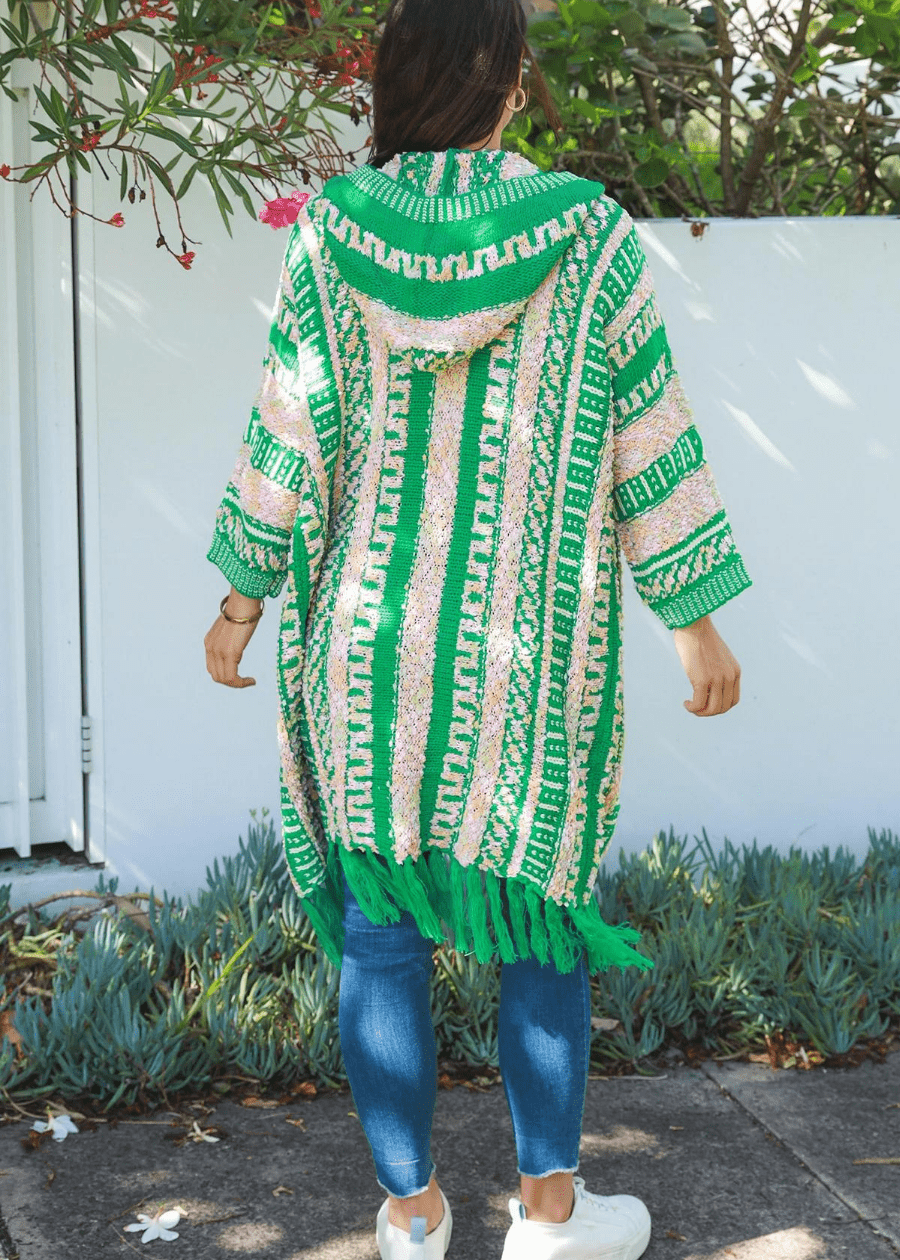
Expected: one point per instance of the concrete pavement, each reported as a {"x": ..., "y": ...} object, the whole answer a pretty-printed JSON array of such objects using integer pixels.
[{"x": 735, "y": 1162}]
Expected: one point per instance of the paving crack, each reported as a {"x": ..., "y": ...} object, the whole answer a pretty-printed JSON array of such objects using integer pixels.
[{"x": 862, "y": 1214}]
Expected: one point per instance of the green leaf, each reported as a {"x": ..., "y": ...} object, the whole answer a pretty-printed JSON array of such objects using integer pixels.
[
  {"x": 45, "y": 103},
  {"x": 542, "y": 28},
  {"x": 587, "y": 109},
  {"x": 110, "y": 58},
  {"x": 186, "y": 182},
  {"x": 587, "y": 11},
  {"x": 39, "y": 168},
  {"x": 43, "y": 135},
  {"x": 225, "y": 206},
  {"x": 668, "y": 15},
  {"x": 126, "y": 52},
  {"x": 653, "y": 173},
  {"x": 843, "y": 21},
  {"x": 59, "y": 105},
  {"x": 85, "y": 74},
  {"x": 687, "y": 42},
  {"x": 159, "y": 171},
  {"x": 123, "y": 185},
  {"x": 241, "y": 191},
  {"x": 631, "y": 23},
  {"x": 12, "y": 32},
  {"x": 155, "y": 128},
  {"x": 160, "y": 87}
]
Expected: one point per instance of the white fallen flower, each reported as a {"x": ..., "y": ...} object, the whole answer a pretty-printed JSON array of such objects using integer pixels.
[
  {"x": 200, "y": 1135},
  {"x": 159, "y": 1226},
  {"x": 59, "y": 1126}
]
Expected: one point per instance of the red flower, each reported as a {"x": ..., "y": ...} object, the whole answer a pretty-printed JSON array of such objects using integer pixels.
[
  {"x": 90, "y": 142},
  {"x": 186, "y": 259},
  {"x": 4, "y": 171},
  {"x": 149, "y": 9},
  {"x": 117, "y": 220},
  {"x": 281, "y": 211}
]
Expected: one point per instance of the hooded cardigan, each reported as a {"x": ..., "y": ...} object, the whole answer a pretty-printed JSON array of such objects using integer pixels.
[{"x": 468, "y": 408}]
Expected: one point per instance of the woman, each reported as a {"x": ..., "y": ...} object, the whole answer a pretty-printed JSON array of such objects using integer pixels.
[{"x": 468, "y": 404}]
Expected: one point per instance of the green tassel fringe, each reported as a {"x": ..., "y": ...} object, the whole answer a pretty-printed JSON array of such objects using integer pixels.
[{"x": 464, "y": 908}]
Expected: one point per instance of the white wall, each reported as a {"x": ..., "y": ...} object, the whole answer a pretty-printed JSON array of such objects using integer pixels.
[
  {"x": 177, "y": 360},
  {"x": 784, "y": 332}
]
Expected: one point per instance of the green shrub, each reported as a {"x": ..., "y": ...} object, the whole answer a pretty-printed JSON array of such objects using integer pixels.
[{"x": 748, "y": 945}]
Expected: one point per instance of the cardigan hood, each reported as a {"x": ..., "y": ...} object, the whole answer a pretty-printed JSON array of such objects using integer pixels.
[{"x": 465, "y": 239}]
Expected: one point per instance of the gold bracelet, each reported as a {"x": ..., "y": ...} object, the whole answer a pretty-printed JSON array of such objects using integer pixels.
[{"x": 239, "y": 621}]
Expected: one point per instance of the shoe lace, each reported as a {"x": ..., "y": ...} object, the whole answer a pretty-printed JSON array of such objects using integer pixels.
[{"x": 595, "y": 1202}]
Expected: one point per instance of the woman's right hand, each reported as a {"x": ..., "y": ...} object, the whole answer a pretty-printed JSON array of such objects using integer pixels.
[
  {"x": 712, "y": 671},
  {"x": 225, "y": 641}
]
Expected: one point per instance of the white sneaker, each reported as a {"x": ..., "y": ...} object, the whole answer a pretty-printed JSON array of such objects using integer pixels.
[
  {"x": 395, "y": 1243},
  {"x": 613, "y": 1227}
]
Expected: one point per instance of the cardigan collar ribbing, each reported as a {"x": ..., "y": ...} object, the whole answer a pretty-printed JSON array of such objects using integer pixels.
[{"x": 455, "y": 172}]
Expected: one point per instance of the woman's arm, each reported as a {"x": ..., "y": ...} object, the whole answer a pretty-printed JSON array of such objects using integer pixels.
[
  {"x": 238, "y": 605},
  {"x": 669, "y": 517}
]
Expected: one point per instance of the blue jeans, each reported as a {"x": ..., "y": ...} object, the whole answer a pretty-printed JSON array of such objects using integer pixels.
[{"x": 390, "y": 1052}]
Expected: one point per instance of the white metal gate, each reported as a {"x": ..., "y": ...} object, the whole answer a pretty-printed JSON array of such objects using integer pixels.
[{"x": 41, "y": 783}]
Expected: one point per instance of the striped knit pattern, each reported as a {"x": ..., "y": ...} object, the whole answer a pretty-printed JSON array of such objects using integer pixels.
[{"x": 468, "y": 409}]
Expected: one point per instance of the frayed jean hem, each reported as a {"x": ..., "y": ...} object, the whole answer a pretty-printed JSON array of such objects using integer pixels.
[
  {"x": 409, "y": 1193},
  {"x": 551, "y": 1173}
]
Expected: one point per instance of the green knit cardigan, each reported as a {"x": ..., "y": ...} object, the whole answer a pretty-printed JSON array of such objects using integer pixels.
[{"x": 468, "y": 409}]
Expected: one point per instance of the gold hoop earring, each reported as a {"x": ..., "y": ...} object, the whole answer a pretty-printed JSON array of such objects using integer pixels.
[{"x": 516, "y": 108}]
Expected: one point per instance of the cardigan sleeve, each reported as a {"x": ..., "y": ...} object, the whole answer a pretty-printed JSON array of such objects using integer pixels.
[
  {"x": 669, "y": 517},
  {"x": 255, "y": 519}
]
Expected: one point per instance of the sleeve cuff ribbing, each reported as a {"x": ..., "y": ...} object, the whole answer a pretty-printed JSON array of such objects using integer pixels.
[
  {"x": 705, "y": 596},
  {"x": 247, "y": 581}
]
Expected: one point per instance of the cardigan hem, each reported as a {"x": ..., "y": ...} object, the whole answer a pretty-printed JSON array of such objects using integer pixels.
[{"x": 470, "y": 910}]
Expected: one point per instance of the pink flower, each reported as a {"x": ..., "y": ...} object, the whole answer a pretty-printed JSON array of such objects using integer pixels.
[
  {"x": 4, "y": 171},
  {"x": 90, "y": 142},
  {"x": 117, "y": 220},
  {"x": 281, "y": 211},
  {"x": 187, "y": 259}
]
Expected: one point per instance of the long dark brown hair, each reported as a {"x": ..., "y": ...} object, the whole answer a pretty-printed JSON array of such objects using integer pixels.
[{"x": 443, "y": 72}]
